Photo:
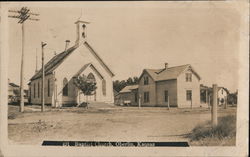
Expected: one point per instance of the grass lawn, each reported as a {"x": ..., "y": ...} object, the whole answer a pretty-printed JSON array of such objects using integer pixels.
[
  {"x": 224, "y": 133},
  {"x": 106, "y": 124}
]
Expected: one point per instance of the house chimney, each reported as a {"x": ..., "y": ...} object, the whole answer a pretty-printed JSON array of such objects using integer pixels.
[
  {"x": 81, "y": 34},
  {"x": 67, "y": 44},
  {"x": 166, "y": 65}
]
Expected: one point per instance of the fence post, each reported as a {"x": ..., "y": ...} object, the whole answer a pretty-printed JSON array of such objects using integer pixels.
[
  {"x": 168, "y": 103},
  {"x": 209, "y": 104},
  {"x": 225, "y": 103},
  {"x": 214, "y": 106},
  {"x": 139, "y": 104}
]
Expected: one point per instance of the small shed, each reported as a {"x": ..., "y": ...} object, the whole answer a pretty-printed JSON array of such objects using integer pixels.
[{"x": 128, "y": 96}]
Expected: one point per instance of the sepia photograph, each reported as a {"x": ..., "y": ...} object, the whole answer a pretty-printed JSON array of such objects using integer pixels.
[{"x": 124, "y": 74}]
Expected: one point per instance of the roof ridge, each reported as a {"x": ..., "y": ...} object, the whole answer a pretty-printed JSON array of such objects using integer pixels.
[
  {"x": 169, "y": 67},
  {"x": 98, "y": 58},
  {"x": 179, "y": 66}
]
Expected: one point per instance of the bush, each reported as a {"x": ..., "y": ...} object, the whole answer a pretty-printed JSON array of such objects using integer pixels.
[
  {"x": 69, "y": 105},
  {"x": 226, "y": 128},
  {"x": 83, "y": 104}
]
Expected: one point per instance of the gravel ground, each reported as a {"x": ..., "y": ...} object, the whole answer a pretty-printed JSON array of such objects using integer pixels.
[{"x": 105, "y": 124}]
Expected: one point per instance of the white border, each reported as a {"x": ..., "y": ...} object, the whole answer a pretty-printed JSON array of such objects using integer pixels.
[{"x": 241, "y": 148}]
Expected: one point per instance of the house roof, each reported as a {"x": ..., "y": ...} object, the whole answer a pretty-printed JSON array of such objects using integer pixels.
[
  {"x": 129, "y": 88},
  {"x": 169, "y": 73},
  {"x": 224, "y": 89},
  {"x": 115, "y": 92},
  {"x": 53, "y": 63},
  {"x": 13, "y": 85}
]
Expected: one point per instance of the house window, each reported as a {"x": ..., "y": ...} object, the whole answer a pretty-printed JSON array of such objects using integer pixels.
[
  {"x": 146, "y": 80},
  {"x": 38, "y": 90},
  {"x": 189, "y": 95},
  {"x": 188, "y": 77},
  {"x": 136, "y": 97},
  {"x": 65, "y": 87},
  {"x": 166, "y": 96},
  {"x": 146, "y": 97},
  {"x": 104, "y": 87},
  {"x": 48, "y": 87}
]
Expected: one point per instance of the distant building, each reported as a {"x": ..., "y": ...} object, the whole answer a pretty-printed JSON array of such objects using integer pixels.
[
  {"x": 179, "y": 86},
  {"x": 13, "y": 92},
  {"x": 222, "y": 95},
  {"x": 207, "y": 95},
  {"x": 127, "y": 96},
  {"x": 80, "y": 59}
]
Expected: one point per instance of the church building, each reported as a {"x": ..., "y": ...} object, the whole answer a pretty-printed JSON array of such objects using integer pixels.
[{"x": 80, "y": 59}]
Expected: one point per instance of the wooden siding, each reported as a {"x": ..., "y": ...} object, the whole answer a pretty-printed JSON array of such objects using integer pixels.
[
  {"x": 127, "y": 97},
  {"x": 171, "y": 87},
  {"x": 151, "y": 88},
  {"x": 183, "y": 86},
  {"x": 47, "y": 99}
]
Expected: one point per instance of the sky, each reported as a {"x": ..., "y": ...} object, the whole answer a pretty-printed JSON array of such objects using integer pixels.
[{"x": 136, "y": 36}]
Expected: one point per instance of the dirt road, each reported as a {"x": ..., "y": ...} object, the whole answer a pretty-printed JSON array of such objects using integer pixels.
[{"x": 107, "y": 124}]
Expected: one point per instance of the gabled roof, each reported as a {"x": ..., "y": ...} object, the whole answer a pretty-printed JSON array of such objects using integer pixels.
[
  {"x": 85, "y": 67},
  {"x": 13, "y": 85},
  {"x": 169, "y": 73},
  {"x": 53, "y": 63},
  {"x": 99, "y": 58},
  {"x": 115, "y": 92},
  {"x": 58, "y": 59},
  {"x": 129, "y": 88},
  {"x": 224, "y": 89}
]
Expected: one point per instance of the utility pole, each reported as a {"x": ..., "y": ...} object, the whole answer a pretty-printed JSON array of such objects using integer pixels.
[
  {"x": 43, "y": 44},
  {"x": 214, "y": 106},
  {"x": 207, "y": 97},
  {"x": 23, "y": 14},
  {"x": 36, "y": 61},
  {"x": 225, "y": 101}
]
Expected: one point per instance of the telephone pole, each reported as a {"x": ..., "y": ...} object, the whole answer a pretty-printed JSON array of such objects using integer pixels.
[
  {"x": 214, "y": 106},
  {"x": 43, "y": 44},
  {"x": 23, "y": 14},
  {"x": 36, "y": 61}
]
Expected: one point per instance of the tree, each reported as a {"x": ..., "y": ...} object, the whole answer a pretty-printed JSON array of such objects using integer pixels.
[
  {"x": 135, "y": 80},
  {"x": 86, "y": 86},
  {"x": 129, "y": 81},
  {"x": 232, "y": 98},
  {"x": 119, "y": 85}
]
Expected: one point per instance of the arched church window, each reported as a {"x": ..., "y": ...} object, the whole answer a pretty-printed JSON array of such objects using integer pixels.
[
  {"x": 91, "y": 77},
  {"x": 104, "y": 87},
  {"x": 65, "y": 87}
]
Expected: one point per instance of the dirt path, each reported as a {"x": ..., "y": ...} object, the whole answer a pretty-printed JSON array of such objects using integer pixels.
[{"x": 112, "y": 124}]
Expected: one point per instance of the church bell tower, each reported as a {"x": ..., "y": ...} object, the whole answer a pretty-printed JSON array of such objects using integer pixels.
[{"x": 81, "y": 33}]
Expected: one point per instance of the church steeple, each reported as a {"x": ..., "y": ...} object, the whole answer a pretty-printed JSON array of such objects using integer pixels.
[{"x": 81, "y": 33}]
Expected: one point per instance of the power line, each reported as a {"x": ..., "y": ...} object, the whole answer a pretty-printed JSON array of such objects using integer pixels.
[{"x": 23, "y": 14}]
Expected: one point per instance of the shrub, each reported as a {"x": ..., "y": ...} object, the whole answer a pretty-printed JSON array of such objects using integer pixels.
[
  {"x": 83, "y": 104},
  {"x": 226, "y": 128}
]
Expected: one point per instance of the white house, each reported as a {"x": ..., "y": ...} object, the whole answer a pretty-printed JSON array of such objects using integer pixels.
[
  {"x": 80, "y": 59},
  {"x": 177, "y": 86},
  {"x": 222, "y": 95}
]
